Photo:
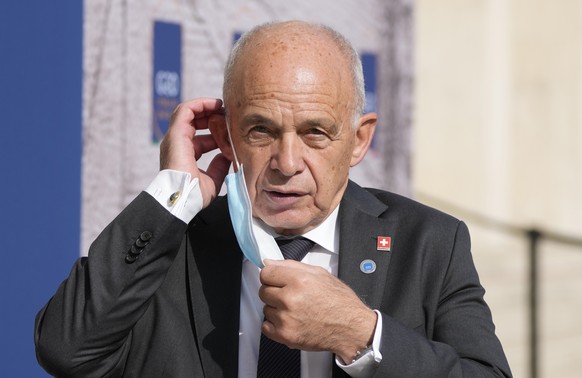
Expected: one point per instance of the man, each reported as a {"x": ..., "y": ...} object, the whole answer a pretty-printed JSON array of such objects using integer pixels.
[{"x": 166, "y": 292}]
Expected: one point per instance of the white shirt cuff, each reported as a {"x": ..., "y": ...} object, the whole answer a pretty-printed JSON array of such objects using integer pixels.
[
  {"x": 366, "y": 365},
  {"x": 178, "y": 193}
]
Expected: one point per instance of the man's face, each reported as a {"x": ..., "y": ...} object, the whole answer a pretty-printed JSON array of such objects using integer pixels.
[{"x": 291, "y": 124}]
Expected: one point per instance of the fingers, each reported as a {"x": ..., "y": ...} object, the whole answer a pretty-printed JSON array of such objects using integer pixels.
[
  {"x": 201, "y": 120},
  {"x": 202, "y": 110},
  {"x": 268, "y": 328},
  {"x": 205, "y": 106},
  {"x": 285, "y": 284},
  {"x": 193, "y": 115},
  {"x": 274, "y": 326},
  {"x": 199, "y": 109},
  {"x": 280, "y": 272},
  {"x": 282, "y": 324},
  {"x": 271, "y": 296},
  {"x": 218, "y": 169},
  {"x": 181, "y": 147},
  {"x": 203, "y": 144}
]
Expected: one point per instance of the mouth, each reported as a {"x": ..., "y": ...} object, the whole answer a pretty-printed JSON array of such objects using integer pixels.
[
  {"x": 276, "y": 194},
  {"x": 280, "y": 200}
]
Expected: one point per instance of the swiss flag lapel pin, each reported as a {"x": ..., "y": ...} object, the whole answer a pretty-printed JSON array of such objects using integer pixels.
[{"x": 384, "y": 243}]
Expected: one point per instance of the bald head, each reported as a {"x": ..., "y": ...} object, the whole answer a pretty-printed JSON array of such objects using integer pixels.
[{"x": 291, "y": 44}]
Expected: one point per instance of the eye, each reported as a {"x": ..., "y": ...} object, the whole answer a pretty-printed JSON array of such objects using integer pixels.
[
  {"x": 259, "y": 129},
  {"x": 316, "y": 134},
  {"x": 315, "y": 131},
  {"x": 259, "y": 134},
  {"x": 316, "y": 137}
]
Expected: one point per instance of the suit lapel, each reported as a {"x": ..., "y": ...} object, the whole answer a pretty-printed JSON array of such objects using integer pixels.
[
  {"x": 214, "y": 274},
  {"x": 360, "y": 226}
]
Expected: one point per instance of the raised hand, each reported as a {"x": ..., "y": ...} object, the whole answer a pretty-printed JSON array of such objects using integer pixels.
[{"x": 182, "y": 147}]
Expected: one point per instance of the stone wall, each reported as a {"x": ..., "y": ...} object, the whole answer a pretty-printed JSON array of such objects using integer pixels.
[{"x": 498, "y": 142}]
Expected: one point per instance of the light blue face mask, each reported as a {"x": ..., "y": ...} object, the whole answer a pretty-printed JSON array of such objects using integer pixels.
[{"x": 253, "y": 240}]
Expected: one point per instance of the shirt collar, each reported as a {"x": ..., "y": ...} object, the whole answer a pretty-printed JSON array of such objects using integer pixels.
[{"x": 325, "y": 234}]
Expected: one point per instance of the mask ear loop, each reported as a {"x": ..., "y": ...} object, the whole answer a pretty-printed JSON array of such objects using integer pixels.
[{"x": 236, "y": 164}]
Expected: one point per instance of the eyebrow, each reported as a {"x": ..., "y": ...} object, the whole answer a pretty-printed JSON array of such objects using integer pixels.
[
  {"x": 254, "y": 118},
  {"x": 320, "y": 122},
  {"x": 327, "y": 124}
]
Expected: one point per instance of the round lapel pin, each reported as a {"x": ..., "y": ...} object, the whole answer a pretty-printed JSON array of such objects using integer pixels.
[{"x": 368, "y": 266}]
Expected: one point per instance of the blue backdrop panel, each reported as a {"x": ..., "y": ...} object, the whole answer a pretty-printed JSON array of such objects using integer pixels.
[
  {"x": 369, "y": 66},
  {"x": 167, "y": 71},
  {"x": 40, "y": 113}
]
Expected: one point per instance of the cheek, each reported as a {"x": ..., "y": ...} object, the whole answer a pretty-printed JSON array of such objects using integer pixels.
[
  {"x": 251, "y": 178},
  {"x": 255, "y": 164},
  {"x": 330, "y": 178}
]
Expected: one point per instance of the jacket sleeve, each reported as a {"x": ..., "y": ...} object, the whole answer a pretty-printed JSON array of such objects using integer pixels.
[
  {"x": 86, "y": 327},
  {"x": 458, "y": 337}
]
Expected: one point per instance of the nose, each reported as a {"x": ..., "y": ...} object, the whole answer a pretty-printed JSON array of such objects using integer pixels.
[{"x": 287, "y": 155}]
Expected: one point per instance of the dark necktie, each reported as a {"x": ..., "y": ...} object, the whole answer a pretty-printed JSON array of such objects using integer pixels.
[{"x": 276, "y": 360}]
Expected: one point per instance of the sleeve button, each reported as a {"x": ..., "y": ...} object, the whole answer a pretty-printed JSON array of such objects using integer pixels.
[
  {"x": 134, "y": 251},
  {"x": 140, "y": 243},
  {"x": 145, "y": 236}
]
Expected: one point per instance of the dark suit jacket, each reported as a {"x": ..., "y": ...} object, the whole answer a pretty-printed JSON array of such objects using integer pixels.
[{"x": 173, "y": 312}]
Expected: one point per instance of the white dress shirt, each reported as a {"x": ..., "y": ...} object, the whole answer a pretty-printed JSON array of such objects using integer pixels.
[{"x": 188, "y": 202}]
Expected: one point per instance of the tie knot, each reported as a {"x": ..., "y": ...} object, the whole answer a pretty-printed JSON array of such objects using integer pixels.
[{"x": 294, "y": 248}]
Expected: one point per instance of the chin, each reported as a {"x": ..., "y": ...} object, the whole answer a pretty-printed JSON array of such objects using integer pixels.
[
  {"x": 295, "y": 221},
  {"x": 292, "y": 228}
]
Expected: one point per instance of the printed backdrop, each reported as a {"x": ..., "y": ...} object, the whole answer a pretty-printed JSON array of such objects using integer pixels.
[{"x": 141, "y": 58}]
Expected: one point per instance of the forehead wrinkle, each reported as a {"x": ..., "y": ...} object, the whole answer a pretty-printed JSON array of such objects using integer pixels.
[
  {"x": 302, "y": 114},
  {"x": 293, "y": 101},
  {"x": 255, "y": 118},
  {"x": 307, "y": 90}
]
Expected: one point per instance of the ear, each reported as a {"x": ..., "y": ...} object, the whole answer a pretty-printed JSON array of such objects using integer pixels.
[
  {"x": 217, "y": 127},
  {"x": 363, "y": 137}
]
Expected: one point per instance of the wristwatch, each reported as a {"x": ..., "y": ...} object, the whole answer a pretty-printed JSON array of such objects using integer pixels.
[{"x": 367, "y": 353}]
